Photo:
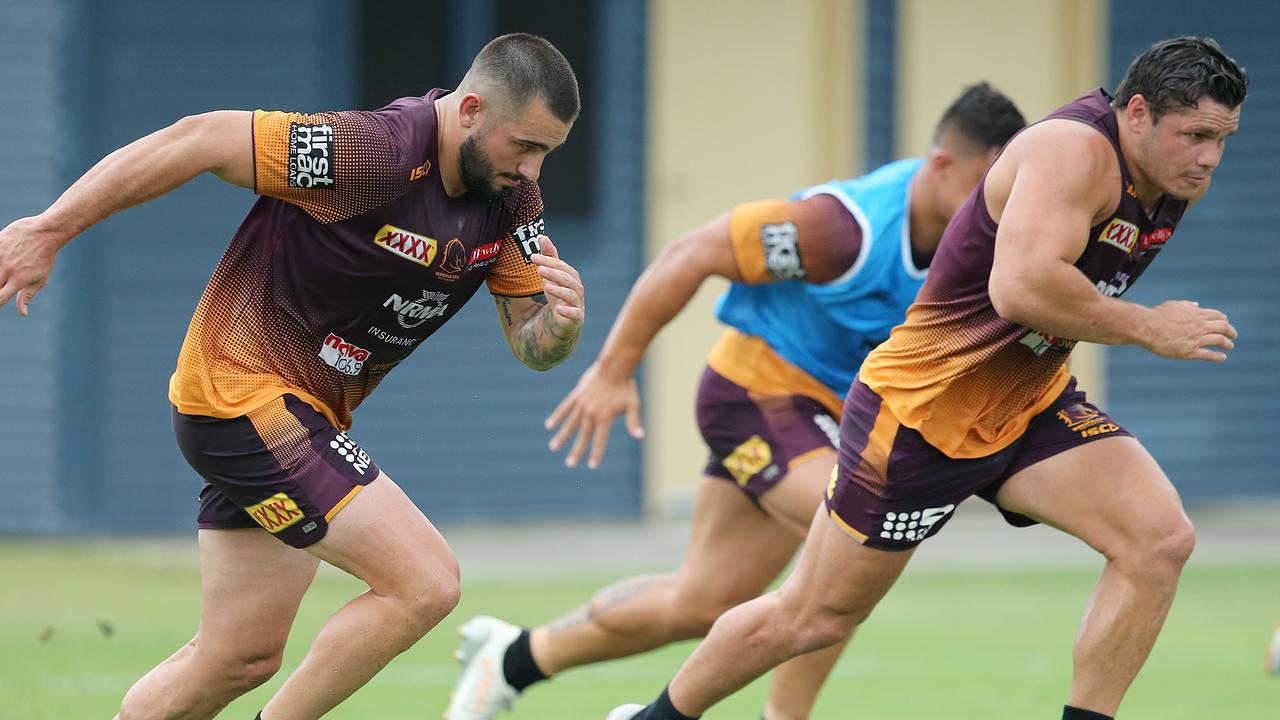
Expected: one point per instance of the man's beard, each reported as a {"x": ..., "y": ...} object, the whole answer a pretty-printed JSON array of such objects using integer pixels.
[{"x": 477, "y": 172}]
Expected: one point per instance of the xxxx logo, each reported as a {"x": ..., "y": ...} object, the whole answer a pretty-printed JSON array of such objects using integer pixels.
[
  {"x": 410, "y": 246},
  {"x": 275, "y": 513}
]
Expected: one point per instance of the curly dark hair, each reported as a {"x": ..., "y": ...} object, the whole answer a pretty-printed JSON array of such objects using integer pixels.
[{"x": 1175, "y": 74}]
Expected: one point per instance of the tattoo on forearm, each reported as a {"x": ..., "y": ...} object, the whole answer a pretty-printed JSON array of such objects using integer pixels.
[
  {"x": 504, "y": 304},
  {"x": 543, "y": 343}
]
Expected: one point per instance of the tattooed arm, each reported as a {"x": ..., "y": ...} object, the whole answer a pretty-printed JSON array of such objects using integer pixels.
[{"x": 543, "y": 329}]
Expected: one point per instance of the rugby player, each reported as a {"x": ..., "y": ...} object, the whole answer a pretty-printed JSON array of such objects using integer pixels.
[
  {"x": 971, "y": 394},
  {"x": 817, "y": 281},
  {"x": 373, "y": 229}
]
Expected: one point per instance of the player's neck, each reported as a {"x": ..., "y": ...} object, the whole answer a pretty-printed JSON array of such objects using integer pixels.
[
  {"x": 925, "y": 223},
  {"x": 447, "y": 144}
]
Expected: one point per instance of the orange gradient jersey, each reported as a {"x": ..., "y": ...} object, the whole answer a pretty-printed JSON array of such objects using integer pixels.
[
  {"x": 967, "y": 379},
  {"x": 353, "y": 256}
]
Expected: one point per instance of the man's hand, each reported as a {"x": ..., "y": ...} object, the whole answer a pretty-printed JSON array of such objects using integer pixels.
[
  {"x": 26, "y": 259},
  {"x": 561, "y": 284},
  {"x": 590, "y": 408},
  {"x": 1185, "y": 331}
]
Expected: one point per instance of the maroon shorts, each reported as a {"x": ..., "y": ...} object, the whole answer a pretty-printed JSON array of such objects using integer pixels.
[
  {"x": 282, "y": 467},
  {"x": 755, "y": 439},
  {"x": 892, "y": 489}
]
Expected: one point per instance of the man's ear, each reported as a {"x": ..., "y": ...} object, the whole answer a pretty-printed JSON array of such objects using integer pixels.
[{"x": 470, "y": 108}]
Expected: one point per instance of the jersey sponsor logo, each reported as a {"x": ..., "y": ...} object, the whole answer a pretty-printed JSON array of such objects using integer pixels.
[
  {"x": 348, "y": 450},
  {"x": 749, "y": 458},
  {"x": 311, "y": 156},
  {"x": 528, "y": 236},
  {"x": 410, "y": 246},
  {"x": 781, "y": 250},
  {"x": 484, "y": 255},
  {"x": 420, "y": 172},
  {"x": 1121, "y": 234},
  {"x": 1156, "y": 238},
  {"x": 347, "y": 358},
  {"x": 913, "y": 525},
  {"x": 453, "y": 261},
  {"x": 1086, "y": 420},
  {"x": 390, "y": 339},
  {"x": 275, "y": 513},
  {"x": 411, "y": 313},
  {"x": 1116, "y": 286},
  {"x": 1041, "y": 343}
]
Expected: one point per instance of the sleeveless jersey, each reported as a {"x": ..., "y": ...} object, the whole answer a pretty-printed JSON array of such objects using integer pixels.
[
  {"x": 965, "y": 378},
  {"x": 827, "y": 329},
  {"x": 353, "y": 256}
]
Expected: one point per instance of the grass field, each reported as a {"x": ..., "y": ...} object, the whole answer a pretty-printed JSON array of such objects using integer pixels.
[{"x": 79, "y": 622}]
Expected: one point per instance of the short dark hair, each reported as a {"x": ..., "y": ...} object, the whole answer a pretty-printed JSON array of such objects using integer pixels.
[
  {"x": 1175, "y": 74},
  {"x": 525, "y": 66},
  {"x": 982, "y": 117}
]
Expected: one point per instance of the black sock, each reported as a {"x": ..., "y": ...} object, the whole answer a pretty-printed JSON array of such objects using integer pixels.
[
  {"x": 662, "y": 709},
  {"x": 1075, "y": 713},
  {"x": 518, "y": 665}
]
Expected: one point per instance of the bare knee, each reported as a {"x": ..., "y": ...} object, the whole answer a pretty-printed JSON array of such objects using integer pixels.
[
  {"x": 431, "y": 597},
  {"x": 1158, "y": 552},
  {"x": 691, "y": 611},
  {"x": 822, "y": 627},
  {"x": 225, "y": 677},
  {"x": 694, "y": 620}
]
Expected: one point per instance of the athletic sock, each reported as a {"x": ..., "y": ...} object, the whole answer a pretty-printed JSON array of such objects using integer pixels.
[
  {"x": 662, "y": 709},
  {"x": 1075, "y": 713},
  {"x": 518, "y": 665}
]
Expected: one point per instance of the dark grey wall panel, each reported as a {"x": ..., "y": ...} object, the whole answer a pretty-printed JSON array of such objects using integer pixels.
[
  {"x": 1213, "y": 427},
  {"x": 32, "y": 136}
]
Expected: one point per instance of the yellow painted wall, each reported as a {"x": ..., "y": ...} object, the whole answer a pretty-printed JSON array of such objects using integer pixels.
[
  {"x": 1042, "y": 54},
  {"x": 748, "y": 99}
]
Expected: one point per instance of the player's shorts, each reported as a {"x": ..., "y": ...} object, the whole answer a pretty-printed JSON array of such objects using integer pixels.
[
  {"x": 281, "y": 467},
  {"x": 892, "y": 489},
  {"x": 756, "y": 439}
]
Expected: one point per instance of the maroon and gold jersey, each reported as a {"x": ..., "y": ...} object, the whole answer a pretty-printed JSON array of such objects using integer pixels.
[
  {"x": 353, "y": 256},
  {"x": 965, "y": 378}
]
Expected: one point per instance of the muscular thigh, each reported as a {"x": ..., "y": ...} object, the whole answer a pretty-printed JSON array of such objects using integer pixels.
[
  {"x": 251, "y": 586},
  {"x": 1110, "y": 493},
  {"x": 735, "y": 550}
]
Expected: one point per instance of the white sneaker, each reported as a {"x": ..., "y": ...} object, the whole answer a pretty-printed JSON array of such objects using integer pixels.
[
  {"x": 482, "y": 691},
  {"x": 625, "y": 712},
  {"x": 1273, "y": 655}
]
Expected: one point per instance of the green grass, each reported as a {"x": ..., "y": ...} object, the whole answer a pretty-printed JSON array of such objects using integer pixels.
[{"x": 971, "y": 644}]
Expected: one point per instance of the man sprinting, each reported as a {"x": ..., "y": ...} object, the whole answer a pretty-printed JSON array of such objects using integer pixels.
[
  {"x": 373, "y": 230},
  {"x": 818, "y": 280},
  {"x": 971, "y": 394}
]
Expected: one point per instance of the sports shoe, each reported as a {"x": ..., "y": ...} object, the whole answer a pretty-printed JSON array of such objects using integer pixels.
[
  {"x": 1273, "y": 655},
  {"x": 482, "y": 691},
  {"x": 625, "y": 712}
]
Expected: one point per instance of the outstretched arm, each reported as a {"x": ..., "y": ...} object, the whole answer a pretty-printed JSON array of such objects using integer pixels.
[
  {"x": 607, "y": 388},
  {"x": 815, "y": 240},
  {"x": 218, "y": 142},
  {"x": 1049, "y": 188}
]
